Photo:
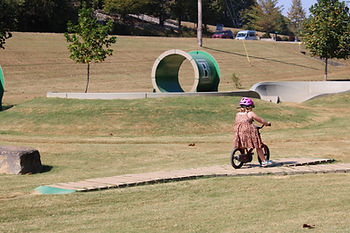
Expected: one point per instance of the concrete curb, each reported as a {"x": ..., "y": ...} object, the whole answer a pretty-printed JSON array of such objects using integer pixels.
[{"x": 144, "y": 95}]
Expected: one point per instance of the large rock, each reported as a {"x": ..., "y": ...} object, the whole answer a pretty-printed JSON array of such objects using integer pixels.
[{"x": 19, "y": 160}]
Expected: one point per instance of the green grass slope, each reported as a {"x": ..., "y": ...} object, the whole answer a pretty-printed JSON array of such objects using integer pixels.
[
  {"x": 134, "y": 118},
  {"x": 80, "y": 139},
  {"x": 153, "y": 134}
]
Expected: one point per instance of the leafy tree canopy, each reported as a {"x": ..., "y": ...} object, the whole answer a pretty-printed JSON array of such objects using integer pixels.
[
  {"x": 296, "y": 16},
  {"x": 8, "y": 15},
  {"x": 265, "y": 16},
  {"x": 327, "y": 30},
  {"x": 124, "y": 7},
  {"x": 45, "y": 15}
]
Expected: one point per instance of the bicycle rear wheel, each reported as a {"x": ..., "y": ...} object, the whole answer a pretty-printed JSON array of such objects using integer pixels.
[
  {"x": 266, "y": 153},
  {"x": 235, "y": 158}
]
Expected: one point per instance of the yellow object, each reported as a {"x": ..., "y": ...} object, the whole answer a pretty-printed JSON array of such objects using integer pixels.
[{"x": 246, "y": 51}]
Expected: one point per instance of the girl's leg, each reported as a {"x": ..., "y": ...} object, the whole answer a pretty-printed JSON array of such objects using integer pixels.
[{"x": 260, "y": 154}]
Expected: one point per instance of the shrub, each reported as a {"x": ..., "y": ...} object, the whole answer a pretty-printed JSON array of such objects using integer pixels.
[{"x": 236, "y": 81}]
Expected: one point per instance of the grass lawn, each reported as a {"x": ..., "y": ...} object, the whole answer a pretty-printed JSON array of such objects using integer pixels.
[{"x": 80, "y": 139}]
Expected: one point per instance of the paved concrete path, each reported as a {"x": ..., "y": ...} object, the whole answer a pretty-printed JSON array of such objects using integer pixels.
[{"x": 290, "y": 166}]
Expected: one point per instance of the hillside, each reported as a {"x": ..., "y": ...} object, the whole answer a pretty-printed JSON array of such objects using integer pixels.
[{"x": 35, "y": 63}]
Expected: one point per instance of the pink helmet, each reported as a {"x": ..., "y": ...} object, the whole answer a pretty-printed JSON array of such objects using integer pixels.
[{"x": 245, "y": 101}]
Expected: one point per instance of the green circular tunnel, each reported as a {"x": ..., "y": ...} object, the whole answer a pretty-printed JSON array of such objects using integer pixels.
[{"x": 165, "y": 71}]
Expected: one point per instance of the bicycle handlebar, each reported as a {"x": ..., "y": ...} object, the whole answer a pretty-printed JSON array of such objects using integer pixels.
[{"x": 262, "y": 126}]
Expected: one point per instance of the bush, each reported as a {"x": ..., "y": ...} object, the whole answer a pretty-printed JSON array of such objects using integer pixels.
[
  {"x": 291, "y": 38},
  {"x": 236, "y": 81},
  {"x": 266, "y": 35},
  {"x": 278, "y": 38}
]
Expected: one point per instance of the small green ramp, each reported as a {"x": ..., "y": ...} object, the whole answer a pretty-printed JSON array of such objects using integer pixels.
[{"x": 53, "y": 190}]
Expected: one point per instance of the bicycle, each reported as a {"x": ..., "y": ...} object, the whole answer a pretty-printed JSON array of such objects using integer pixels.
[{"x": 240, "y": 156}]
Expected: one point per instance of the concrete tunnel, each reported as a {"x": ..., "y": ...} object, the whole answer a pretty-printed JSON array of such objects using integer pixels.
[{"x": 165, "y": 71}]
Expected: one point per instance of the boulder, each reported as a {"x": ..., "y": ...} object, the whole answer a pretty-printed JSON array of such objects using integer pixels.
[{"x": 19, "y": 160}]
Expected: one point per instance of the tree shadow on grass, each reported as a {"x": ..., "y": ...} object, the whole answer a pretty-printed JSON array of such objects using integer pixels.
[{"x": 261, "y": 58}]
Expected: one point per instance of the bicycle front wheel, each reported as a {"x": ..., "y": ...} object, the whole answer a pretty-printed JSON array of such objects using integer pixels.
[
  {"x": 266, "y": 153},
  {"x": 235, "y": 158}
]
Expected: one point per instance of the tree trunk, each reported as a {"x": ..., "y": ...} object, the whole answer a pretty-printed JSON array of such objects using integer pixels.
[
  {"x": 161, "y": 19},
  {"x": 88, "y": 78},
  {"x": 325, "y": 69},
  {"x": 179, "y": 20},
  {"x": 199, "y": 26}
]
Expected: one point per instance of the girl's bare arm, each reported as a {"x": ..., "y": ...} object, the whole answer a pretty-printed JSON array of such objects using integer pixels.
[{"x": 258, "y": 119}]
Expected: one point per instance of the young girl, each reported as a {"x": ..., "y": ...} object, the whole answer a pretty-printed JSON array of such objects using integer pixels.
[{"x": 245, "y": 133}]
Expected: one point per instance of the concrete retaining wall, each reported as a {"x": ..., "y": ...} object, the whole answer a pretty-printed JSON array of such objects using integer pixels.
[
  {"x": 299, "y": 91},
  {"x": 143, "y": 95}
]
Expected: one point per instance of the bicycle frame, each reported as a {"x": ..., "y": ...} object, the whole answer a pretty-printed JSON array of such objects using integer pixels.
[{"x": 247, "y": 157}]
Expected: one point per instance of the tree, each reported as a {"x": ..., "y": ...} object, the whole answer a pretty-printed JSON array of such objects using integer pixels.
[
  {"x": 251, "y": 17},
  {"x": 283, "y": 25},
  {"x": 90, "y": 40},
  {"x": 45, "y": 15},
  {"x": 265, "y": 16},
  {"x": 271, "y": 13},
  {"x": 296, "y": 16},
  {"x": 233, "y": 9},
  {"x": 124, "y": 7},
  {"x": 179, "y": 9},
  {"x": 157, "y": 8},
  {"x": 326, "y": 32},
  {"x": 211, "y": 11},
  {"x": 8, "y": 15},
  {"x": 160, "y": 9}
]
